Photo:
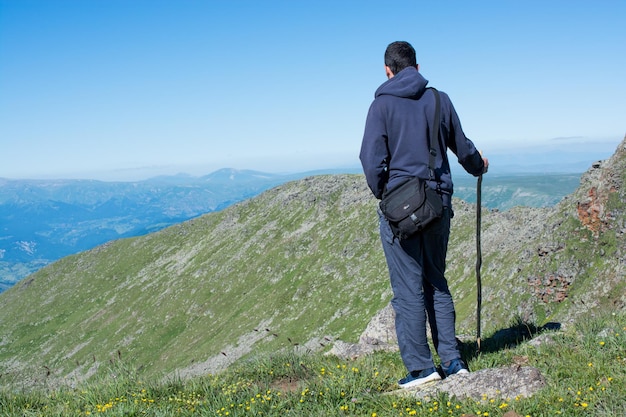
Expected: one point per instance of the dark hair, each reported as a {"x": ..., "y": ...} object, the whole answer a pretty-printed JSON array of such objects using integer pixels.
[{"x": 400, "y": 55}]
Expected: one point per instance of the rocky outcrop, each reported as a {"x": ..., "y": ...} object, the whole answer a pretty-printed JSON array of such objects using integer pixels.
[
  {"x": 496, "y": 383},
  {"x": 591, "y": 211},
  {"x": 598, "y": 184},
  {"x": 552, "y": 288},
  {"x": 506, "y": 383},
  {"x": 380, "y": 334}
]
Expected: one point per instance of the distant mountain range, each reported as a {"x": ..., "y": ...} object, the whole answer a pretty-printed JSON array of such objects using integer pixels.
[{"x": 42, "y": 221}]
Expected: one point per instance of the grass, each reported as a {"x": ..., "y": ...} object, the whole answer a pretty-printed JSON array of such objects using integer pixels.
[
  {"x": 302, "y": 260},
  {"x": 584, "y": 365},
  {"x": 297, "y": 267},
  {"x": 185, "y": 294}
]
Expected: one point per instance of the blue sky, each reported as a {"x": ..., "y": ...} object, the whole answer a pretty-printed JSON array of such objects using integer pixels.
[{"x": 112, "y": 89}]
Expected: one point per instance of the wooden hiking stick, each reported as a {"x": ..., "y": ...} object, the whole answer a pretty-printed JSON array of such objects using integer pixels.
[{"x": 479, "y": 261}]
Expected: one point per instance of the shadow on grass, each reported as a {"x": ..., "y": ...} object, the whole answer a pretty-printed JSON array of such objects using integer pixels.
[{"x": 508, "y": 338}]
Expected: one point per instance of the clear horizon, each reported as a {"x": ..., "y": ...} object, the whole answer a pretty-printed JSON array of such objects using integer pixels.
[
  {"x": 113, "y": 90},
  {"x": 535, "y": 161}
]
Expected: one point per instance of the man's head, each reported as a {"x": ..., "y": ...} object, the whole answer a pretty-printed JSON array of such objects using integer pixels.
[{"x": 398, "y": 56}]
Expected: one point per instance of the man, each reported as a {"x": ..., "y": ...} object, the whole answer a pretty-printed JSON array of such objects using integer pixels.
[{"x": 395, "y": 147}]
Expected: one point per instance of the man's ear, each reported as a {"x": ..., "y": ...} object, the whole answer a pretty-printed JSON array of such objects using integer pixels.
[
  {"x": 417, "y": 67},
  {"x": 388, "y": 72}
]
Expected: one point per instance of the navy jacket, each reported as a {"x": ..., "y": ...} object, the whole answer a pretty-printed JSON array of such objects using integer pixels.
[{"x": 395, "y": 142}]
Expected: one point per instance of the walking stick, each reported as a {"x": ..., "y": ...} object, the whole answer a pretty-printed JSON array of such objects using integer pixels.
[{"x": 479, "y": 261}]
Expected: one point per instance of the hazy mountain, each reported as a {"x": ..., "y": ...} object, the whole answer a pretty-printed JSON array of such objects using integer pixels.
[
  {"x": 301, "y": 264},
  {"x": 44, "y": 220}
]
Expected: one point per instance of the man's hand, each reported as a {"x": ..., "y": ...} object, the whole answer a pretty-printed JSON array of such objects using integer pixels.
[{"x": 485, "y": 162}]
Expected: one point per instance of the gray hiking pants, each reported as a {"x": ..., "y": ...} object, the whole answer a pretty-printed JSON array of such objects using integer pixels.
[{"x": 420, "y": 291}]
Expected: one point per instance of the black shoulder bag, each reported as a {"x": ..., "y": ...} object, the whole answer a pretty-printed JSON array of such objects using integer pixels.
[{"x": 413, "y": 205}]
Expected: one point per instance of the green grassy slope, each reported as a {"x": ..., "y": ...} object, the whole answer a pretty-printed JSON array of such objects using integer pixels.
[
  {"x": 295, "y": 265},
  {"x": 295, "y": 268}
]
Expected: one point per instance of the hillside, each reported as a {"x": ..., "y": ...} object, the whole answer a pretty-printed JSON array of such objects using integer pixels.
[
  {"x": 42, "y": 221},
  {"x": 299, "y": 267},
  {"x": 45, "y": 220}
]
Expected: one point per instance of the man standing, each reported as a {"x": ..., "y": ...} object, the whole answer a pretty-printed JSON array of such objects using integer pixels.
[{"x": 395, "y": 148}]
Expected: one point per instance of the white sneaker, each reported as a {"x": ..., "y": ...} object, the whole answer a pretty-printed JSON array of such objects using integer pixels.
[{"x": 416, "y": 378}]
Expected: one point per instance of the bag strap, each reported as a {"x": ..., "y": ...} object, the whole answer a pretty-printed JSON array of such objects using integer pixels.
[
  {"x": 434, "y": 133},
  {"x": 434, "y": 136}
]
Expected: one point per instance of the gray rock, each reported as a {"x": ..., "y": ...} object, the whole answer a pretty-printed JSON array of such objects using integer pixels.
[
  {"x": 542, "y": 340},
  {"x": 504, "y": 383},
  {"x": 381, "y": 329},
  {"x": 380, "y": 334}
]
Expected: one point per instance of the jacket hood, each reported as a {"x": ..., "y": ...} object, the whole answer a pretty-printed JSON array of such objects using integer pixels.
[{"x": 407, "y": 83}]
